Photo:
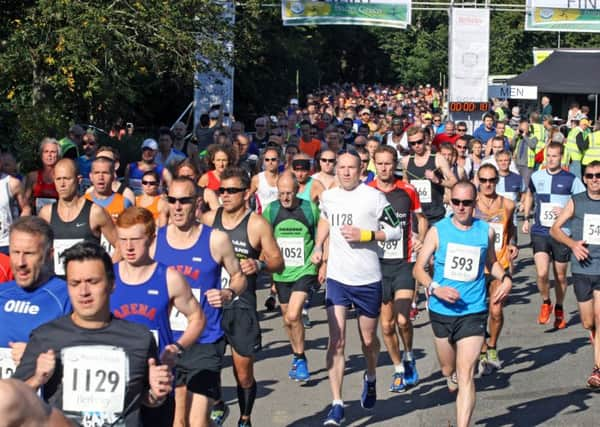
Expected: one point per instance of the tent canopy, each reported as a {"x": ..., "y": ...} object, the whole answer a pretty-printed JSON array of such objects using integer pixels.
[{"x": 573, "y": 72}]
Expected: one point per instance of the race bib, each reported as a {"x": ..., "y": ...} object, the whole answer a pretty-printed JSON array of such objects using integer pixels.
[
  {"x": 94, "y": 379},
  {"x": 40, "y": 202},
  {"x": 7, "y": 365},
  {"x": 178, "y": 320},
  {"x": 225, "y": 278},
  {"x": 591, "y": 229},
  {"x": 423, "y": 187},
  {"x": 156, "y": 337},
  {"x": 110, "y": 249},
  {"x": 292, "y": 250},
  {"x": 547, "y": 215},
  {"x": 61, "y": 245},
  {"x": 462, "y": 262},
  {"x": 498, "y": 235}
]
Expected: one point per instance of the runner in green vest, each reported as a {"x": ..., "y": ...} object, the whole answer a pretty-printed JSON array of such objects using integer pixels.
[
  {"x": 294, "y": 224},
  {"x": 591, "y": 147},
  {"x": 575, "y": 146}
]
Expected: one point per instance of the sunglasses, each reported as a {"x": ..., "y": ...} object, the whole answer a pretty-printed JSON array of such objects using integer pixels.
[
  {"x": 183, "y": 200},
  {"x": 271, "y": 159},
  {"x": 231, "y": 190},
  {"x": 149, "y": 182},
  {"x": 486, "y": 180},
  {"x": 417, "y": 142},
  {"x": 461, "y": 147},
  {"x": 467, "y": 203},
  {"x": 592, "y": 175},
  {"x": 364, "y": 160},
  {"x": 328, "y": 160},
  {"x": 461, "y": 130}
]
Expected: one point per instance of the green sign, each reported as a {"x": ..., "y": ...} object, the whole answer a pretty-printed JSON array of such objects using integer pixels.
[
  {"x": 568, "y": 19},
  {"x": 379, "y": 13}
]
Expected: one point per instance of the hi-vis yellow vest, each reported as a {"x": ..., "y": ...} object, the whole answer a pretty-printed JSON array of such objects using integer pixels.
[
  {"x": 572, "y": 152},
  {"x": 593, "y": 151}
]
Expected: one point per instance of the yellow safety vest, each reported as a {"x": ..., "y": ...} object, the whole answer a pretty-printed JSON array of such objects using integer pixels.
[
  {"x": 571, "y": 150},
  {"x": 593, "y": 151},
  {"x": 509, "y": 132}
]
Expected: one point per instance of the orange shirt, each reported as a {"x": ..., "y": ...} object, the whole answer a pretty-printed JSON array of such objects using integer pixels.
[
  {"x": 114, "y": 205},
  {"x": 152, "y": 207},
  {"x": 310, "y": 148}
]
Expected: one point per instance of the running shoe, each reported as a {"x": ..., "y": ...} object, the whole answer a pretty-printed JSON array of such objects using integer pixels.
[
  {"x": 559, "y": 319},
  {"x": 413, "y": 314},
  {"x": 398, "y": 385},
  {"x": 302, "y": 373},
  {"x": 244, "y": 423},
  {"x": 483, "y": 367},
  {"x": 219, "y": 412},
  {"x": 545, "y": 312},
  {"x": 306, "y": 320},
  {"x": 270, "y": 303},
  {"x": 594, "y": 380},
  {"x": 369, "y": 393},
  {"x": 452, "y": 382},
  {"x": 292, "y": 371},
  {"x": 411, "y": 376},
  {"x": 335, "y": 416},
  {"x": 492, "y": 359}
]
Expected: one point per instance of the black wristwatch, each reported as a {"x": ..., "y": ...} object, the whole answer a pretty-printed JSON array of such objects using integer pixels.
[{"x": 179, "y": 347}]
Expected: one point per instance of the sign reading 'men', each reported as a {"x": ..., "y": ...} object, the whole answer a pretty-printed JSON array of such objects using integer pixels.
[
  {"x": 512, "y": 92},
  {"x": 563, "y": 15},
  {"x": 379, "y": 13}
]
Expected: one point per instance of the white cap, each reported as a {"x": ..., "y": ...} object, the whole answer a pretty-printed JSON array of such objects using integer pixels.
[
  {"x": 294, "y": 101},
  {"x": 150, "y": 143}
]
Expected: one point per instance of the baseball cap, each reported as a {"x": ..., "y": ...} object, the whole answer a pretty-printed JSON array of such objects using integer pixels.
[
  {"x": 427, "y": 116},
  {"x": 150, "y": 143},
  {"x": 293, "y": 101},
  {"x": 365, "y": 111},
  {"x": 584, "y": 122}
]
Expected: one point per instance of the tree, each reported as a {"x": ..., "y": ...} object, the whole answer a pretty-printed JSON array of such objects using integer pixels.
[{"x": 66, "y": 61}]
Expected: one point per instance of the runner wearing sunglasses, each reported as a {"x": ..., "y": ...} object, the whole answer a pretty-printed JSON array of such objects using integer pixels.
[{"x": 462, "y": 246}]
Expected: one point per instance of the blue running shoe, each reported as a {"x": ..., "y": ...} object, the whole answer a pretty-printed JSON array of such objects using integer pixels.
[
  {"x": 369, "y": 394},
  {"x": 292, "y": 371},
  {"x": 335, "y": 416},
  {"x": 411, "y": 376},
  {"x": 302, "y": 373},
  {"x": 398, "y": 385}
]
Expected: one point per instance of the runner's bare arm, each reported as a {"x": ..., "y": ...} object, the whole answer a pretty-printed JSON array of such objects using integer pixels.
[
  {"x": 222, "y": 250},
  {"x": 17, "y": 189},
  {"x": 101, "y": 223},
  {"x": 579, "y": 248},
  {"x": 442, "y": 165},
  {"x": 184, "y": 301},
  {"x": 322, "y": 234},
  {"x": 270, "y": 252},
  {"x": 430, "y": 245},
  {"x": 527, "y": 203},
  {"x": 45, "y": 213},
  {"x": 497, "y": 271}
]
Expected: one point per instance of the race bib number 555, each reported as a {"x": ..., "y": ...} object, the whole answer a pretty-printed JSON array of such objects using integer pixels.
[{"x": 462, "y": 262}]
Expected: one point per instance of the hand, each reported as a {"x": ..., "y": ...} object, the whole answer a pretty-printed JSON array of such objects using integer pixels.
[
  {"x": 17, "y": 350},
  {"x": 416, "y": 244},
  {"x": 525, "y": 227},
  {"x": 44, "y": 367},
  {"x": 521, "y": 208},
  {"x": 317, "y": 256},
  {"x": 430, "y": 175},
  {"x": 216, "y": 297},
  {"x": 580, "y": 250},
  {"x": 513, "y": 251},
  {"x": 160, "y": 379},
  {"x": 169, "y": 356},
  {"x": 350, "y": 233},
  {"x": 446, "y": 293},
  {"x": 322, "y": 274},
  {"x": 249, "y": 266},
  {"x": 502, "y": 291},
  {"x": 557, "y": 210}
]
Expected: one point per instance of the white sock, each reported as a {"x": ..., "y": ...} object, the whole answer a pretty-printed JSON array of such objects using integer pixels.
[
  {"x": 408, "y": 356},
  {"x": 337, "y": 402},
  {"x": 399, "y": 369},
  {"x": 413, "y": 305},
  {"x": 370, "y": 378}
]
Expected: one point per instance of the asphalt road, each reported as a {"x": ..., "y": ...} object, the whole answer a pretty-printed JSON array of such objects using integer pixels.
[{"x": 542, "y": 381}]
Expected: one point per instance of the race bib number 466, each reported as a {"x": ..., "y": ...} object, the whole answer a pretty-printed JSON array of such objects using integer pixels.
[
  {"x": 423, "y": 187},
  {"x": 94, "y": 379},
  {"x": 462, "y": 262}
]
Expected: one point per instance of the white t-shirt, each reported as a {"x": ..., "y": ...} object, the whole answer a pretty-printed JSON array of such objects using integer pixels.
[{"x": 353, "y": 264}]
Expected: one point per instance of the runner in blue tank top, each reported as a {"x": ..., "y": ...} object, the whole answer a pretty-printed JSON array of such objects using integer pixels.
[
  {"x": 35, "y": 297},
  {"x": 144, "y": 293},
  {"x": 583, "y": 213},
  {"x": 198, "y": 252},
  {"x": 462, "y": 247}
]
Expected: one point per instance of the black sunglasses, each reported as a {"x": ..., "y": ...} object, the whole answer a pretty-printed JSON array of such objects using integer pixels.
[
  {"x": 461, "y": 130},
  {"x": 327, "y": 160},
  {"x": 231, "y": 190},
  {"x": 182, "y": 200},
  {"x": 592, "y": 175},
  {"x": 149, "y": 182},
  {"x": 467, "y": 203},
  {"x": 419, "y": 141},
  {"x": 486, "y": 180},
  {"x": 271, "y": 159}
]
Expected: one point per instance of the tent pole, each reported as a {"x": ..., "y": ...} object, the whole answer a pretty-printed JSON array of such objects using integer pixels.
[{"x": 596, "y": 117}]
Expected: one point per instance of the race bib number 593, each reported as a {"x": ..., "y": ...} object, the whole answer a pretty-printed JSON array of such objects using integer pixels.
[{"x": 462, "y": 262}]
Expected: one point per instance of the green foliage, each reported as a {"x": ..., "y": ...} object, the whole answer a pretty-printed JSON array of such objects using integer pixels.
[{"x": 94, "y": 61}]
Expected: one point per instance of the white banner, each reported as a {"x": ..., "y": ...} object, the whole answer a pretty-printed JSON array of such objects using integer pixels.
[
  {"x": 469, "y": 48},
  {"x": 568, "y": 4}
]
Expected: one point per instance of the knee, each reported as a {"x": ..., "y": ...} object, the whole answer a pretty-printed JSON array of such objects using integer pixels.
[
  {"x": 589, "y": 323},
  {"x": 336, "y": 345},
  {"x": 496, "y": 313},
  {"x": 245, "y": 381},
  {"x": 542, "y": 277},
  {"x": 447, "y": 371},
  {"x": 291, "y": 317},
  {"x": 403, "y": 322},
  {"x": 388, "y": 327},
  {"x": 370, "y": 342}
]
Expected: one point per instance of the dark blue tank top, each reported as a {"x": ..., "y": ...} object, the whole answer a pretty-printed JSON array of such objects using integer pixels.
[
  {"x": 136, "y": 174},
  {"x": 202, "y": 273},
  {"x": 146, "y": 303}
]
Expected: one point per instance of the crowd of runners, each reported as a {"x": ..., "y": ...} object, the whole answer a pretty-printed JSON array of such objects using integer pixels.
[{"x": 120, "y": 294}]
